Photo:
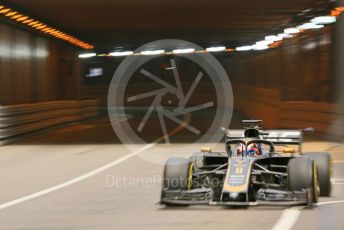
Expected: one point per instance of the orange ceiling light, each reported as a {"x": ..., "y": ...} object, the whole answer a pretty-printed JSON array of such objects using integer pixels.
[
  {"x": 11, "y": 13},
  {"x": 40, "y": 26},
  {"x": 22, "y": 18},
  {"x": 33, "y": 23},
  {"x": 37, "y": 25},
  {"x": 4, "y": 10},
  {"x": 27, "y": 20},
  {"x": 337, "y": 11},
  {"x": 15, "y": 17}
]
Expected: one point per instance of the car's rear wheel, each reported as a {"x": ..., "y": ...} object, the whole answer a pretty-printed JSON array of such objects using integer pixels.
[
  {"x": 303, "y": 176},
  {"x": 323, "y": 161},
  {"x": 177, "y": 176}
]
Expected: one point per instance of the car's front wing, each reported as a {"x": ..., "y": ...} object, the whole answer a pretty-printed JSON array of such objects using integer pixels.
[{"x": 264, "y": 197}]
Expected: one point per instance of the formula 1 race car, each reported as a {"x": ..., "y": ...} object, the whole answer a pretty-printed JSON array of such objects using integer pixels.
[{"x": 252, "y": 171}]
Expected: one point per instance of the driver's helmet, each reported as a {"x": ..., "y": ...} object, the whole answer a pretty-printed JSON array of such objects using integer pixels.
[{"x": 253, "y": 150}]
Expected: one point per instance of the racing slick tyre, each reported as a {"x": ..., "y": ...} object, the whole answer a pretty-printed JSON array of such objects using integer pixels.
[
  {"x": 176, "y": 176},
  {"x": 323, "y": 161},
  {"x": 302, "y": 175}
]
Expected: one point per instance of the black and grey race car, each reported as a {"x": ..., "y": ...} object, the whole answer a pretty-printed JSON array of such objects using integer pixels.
[{"x": 258, "y": 168}]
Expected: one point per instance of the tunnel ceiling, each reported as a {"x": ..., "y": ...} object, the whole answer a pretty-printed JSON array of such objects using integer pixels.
[{"x": 128, "y": 24}]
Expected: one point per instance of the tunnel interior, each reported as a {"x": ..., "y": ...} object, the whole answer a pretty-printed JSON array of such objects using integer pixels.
[
  {"x": 103, "y": 103},
  {"x": 294, "y": 83}
]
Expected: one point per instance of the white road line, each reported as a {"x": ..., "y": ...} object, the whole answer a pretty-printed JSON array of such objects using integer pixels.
[
  {"x": 287, "y": 219},
  {"x": 336, "y": 181},
  {"x": 75, "y": 180},
  {"x": 290, "y": 216},
  {"x": 331, "y": 202}
]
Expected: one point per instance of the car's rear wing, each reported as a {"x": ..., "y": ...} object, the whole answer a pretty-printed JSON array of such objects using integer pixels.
[
  {"x": 251, "y": 123},
  {"x": 283, "y": 136},
  {"x": 277, "y": 136}
]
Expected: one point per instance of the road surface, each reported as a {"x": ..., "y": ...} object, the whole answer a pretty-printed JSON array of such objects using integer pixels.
[{"x": 77, "y": 177}]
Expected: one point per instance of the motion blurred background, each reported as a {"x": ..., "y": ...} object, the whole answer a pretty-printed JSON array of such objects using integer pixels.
[
  {"x": 296, "y": 82},
  {"x": 284, "y": 59}
]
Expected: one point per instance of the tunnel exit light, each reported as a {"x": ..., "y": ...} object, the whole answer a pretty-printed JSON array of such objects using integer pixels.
[
  {"x": 283, "y": 35},
  {"x": 183, "y": 51},
  {"x": 260, "y": 46},
  {"x": 310, "y": 26},
  {"x": 243, "y": 48},
  {"x": 323, "y": 20},
  {"x": 291, "y": 31},
  {"x": 121, "y": 53},
  {"x": 216, "y": 49},
  {"x": 152, "y": 52},
  {"x": 87, "y": 55},
  {"x": 273, "y": 38},
  {"x": 21, "y": 18},
  {"x": 264, "y": 43}
]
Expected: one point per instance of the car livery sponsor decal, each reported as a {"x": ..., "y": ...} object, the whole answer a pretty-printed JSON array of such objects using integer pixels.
[{"x": 238, "y": 174}]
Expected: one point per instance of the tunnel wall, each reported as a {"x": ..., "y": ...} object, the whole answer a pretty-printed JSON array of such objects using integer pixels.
[
  {"x": 291, "y": 86},
  {"x": 299, "y": 69},
  {"x": 34, "y": 68},
  {"x": 27, "y": 118}
]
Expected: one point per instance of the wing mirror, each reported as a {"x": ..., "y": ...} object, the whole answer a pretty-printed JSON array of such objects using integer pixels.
[
  {"x": 206, "y": 149},
  {"x": 289, "y": 150},
  {"x": 309, "y": 129}
]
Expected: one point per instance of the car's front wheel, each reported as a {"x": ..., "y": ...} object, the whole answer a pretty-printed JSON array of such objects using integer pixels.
[
  {"x": 177, "y": 176},
  {"x": 323, "y": 162},
  {"x": 303, "y": 176}
]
